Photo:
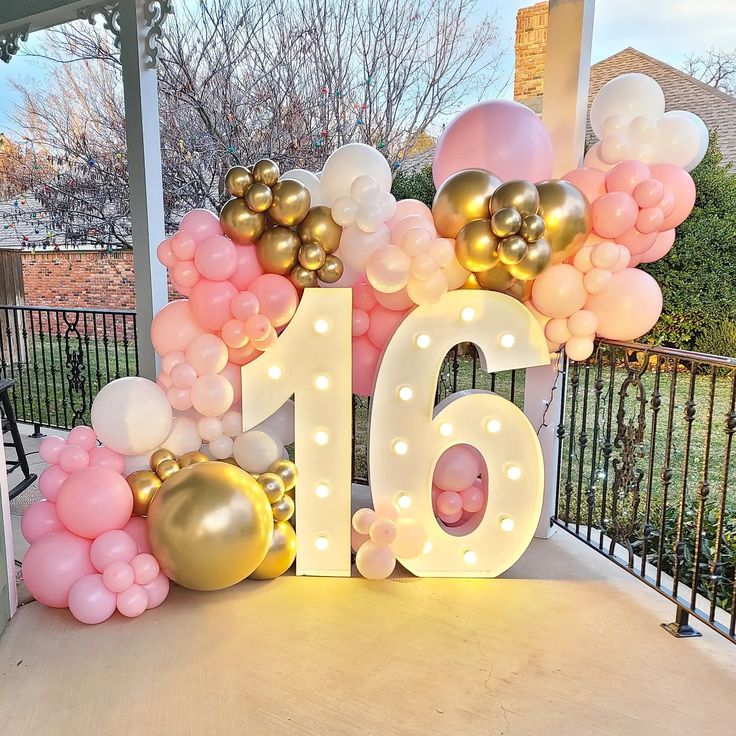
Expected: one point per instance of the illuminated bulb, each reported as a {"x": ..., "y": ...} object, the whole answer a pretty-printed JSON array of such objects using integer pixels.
[
  {"x": 507, "y": 340},
  {"x": 445, "y": 429},
  {"x": 513, "y": 472},
  {"x": 274, "y": 372},
  {"x": 427, "y": 548},
  {"x": 404, "y": 501},
  {"x": 322, "y": 491},
  {"x": 422, "y": 341},
  {"x": 470, "y": 557},
  {"x": 321, "y": 326},
  {"x": 493, "y": 426},
  {"x": 400, "y": 447},
  {"x": 507, "y": 523},
  {"x": 468, "y": 314},
  {"x": 405, "y": 393},
  {"x": 321, "y": 437},
  {"x": 321, "y": 543},
  {"x": 322, "y": 382}
]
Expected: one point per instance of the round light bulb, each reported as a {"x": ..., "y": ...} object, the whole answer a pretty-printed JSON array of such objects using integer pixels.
[
  {"x": 274, "y": 372},
  {"x": 427, "y": 548},
  {"x": 321, "y": 543},
  {"x": 470, "y": 557},
  {"x": 493, "y": 426},
  {"x": 322, "y": 490},
  {"x": 322, "y": 382},
  {"x": 513, "y": 472},
  {"x": 506, "y": 523},
  {"x": 405, "y": 393},
  {"x": 445, "y": 429},
  {"x": 404, "y": 501},
  {"x": 467, "y": 314},
  {"x": 423, "y": 340},
  {"x": 321, "y": 326},
  {"x": 507, "y": 340},
  {"x": 321, "y": 437},
  {"x": 401, "y": 447}
]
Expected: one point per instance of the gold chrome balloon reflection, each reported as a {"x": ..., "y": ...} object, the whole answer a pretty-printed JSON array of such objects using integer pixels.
[
  {"x": 331, "y": 270},
  {"x": 319, "y": 227},
  {"x": 192, "y": 458},
  {"x": 266, "y": 172},
  {"x": 566, "y": 215},
  {"x": 535, "y": 260},
  {"x": 287, "y": 471},
  {"x": 210, "y": 525},
  {"x": 283, "y": 509},
  {"x": 281, "y": 553},
  {"x": 290, "y": 203},
  {"x": 237, "y": 181},
  {"x": 302, "y": 277},
  {"x": 517, "y": 194},
  {"x": 312, "y": 256},
  {"x": 240, "y": 223},
  {"x": 505, "y": 222},
  {"x": 278, "y": 250},
  {"x": 273, "y": 486},
  {"x": 143, "y": 485},
  {"x": 462, "y": 197},
  {"x": 166, "y": 468},
  {"x": 476, "y": 246},
  {"x": 159, "y": 456},
  {"x": 258, "y": 197},
  {"x": 495, "y": 279}
]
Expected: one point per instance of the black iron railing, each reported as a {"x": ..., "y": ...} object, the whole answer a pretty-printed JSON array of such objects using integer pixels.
[
  {"x": 647, "y": 473},
  {"x": 60, "y": 358}
]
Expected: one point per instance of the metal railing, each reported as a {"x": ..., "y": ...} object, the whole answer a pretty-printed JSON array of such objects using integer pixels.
[
  {"x": 60, "y": 358},
  {"x": 647, "y": 474}
]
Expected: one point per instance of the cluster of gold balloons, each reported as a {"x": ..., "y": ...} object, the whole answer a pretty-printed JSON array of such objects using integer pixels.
[{"x": 292, "y": 238}]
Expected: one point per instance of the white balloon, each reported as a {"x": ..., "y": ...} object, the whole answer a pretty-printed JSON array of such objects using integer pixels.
[
  {"x": 255, "y": 451},
  {"x": 356, "y": 245},
  {"x": 613, "y": 148},
  {"x": 131, "y": 415},
  {"x": 615, "y": 125},
  {"x": 222, "y": 447},
  {"x": 183, "y": 437},
  {"x": 209, "y": 428},
  {"x": 678, "y": 140},
  {"x": 702, "y": 133},
  {"x": 369, "y": 218},
  {"x": 628, "y": 95},
  {"x": 349, "y": 162},
  {"x": 310, "y": 181},
  {"x": 642, "y": 129},
  {"x": 594, "y": 161},
  {"x": 361, "y": 190},
  {"x": 280, "y": 424},
  {"x": 232, "y": 423},
  {"x": 387, "y": 203},
  {"x": 343, "y": 211},
  {"x": 131, "y": 463}
]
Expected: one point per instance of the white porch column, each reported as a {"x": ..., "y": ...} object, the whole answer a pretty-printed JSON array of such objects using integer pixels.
[
  {"x": 564, "y": 112},
  {"x": 144, "y": 167}
]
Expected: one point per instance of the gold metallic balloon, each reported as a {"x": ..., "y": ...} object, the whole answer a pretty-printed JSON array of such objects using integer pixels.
[
  {"x": 319, "y": 227},
  {"x": 237, "y": 181},
  {"x": 505, "y": 222},
  {"x": 520, "y": 194},
  {"x": 166, "y": 468},
  {"x": 210, "y": 526},
  {"x": 519, "y": 290},
  {"x": 143, "y": 484},
  {"x": 258, "y": 197},
  {"x": 476, "y": 246},
  {"x": 537, "y": 258},
  {"x": 240, "y": 223},
  {"x": 332, "y": 270},
  {"x": 462, "y": 197},
  {"x": 159, "y": 456},
  {"x": 230, "y": 460},
  {"x": 281, "y": 554},
  {"x": 312, "y": 256},
  {"x": 287, "y": 471},
  {"x": 283, "y": 509},
  {"x": 192, "y": 458},
  {"x": 566, "y": 215},
  {"x": 273, "y": 486},
  {"x": 291, "y": 201},
  {"x": 471, "y": 283},
  {"x": 512, "y": 249},
  {"x": 302, "y": 277},
  {"x": 532, "y": 228},
  {"x": 495, "y": 279},
  {"x": 277, "y": 250},
  {"x": 266, "y": 172}
]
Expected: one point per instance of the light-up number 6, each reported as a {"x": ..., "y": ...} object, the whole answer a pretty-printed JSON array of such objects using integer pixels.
[{"x": 406, "y": 441}]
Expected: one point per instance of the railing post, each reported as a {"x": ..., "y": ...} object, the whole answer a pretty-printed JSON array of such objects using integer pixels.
[{"x": 680, "y": 627}]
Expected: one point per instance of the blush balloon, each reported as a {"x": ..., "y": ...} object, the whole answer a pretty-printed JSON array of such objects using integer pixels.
[
  {"x": 116, "y": 545},
  {"x": 174, "y": 327},
  {"x": 183, "y": 245},
  {"x": 38, "y": 520},
  {"x": 365, "y": 365},
  {"x": 83, "y": 437},
  {"x": 157, "y": 591},
  {"x": 383, "y": 324},
  {"x": 660, "y": 248},
  {"x": 681, "y": 185},
  {"x": 626, "y": 176},
  {"x": 50, "y": 482},
  {"x": 591, "y": 182},
  {"x": 277, "y": 297},
  {"x": 613, "y": 214},
  {"x": 216, "y": 258},
  {"x": 90, "y": 601},
  {"x": 456, "y": 469},
  {"x": 50, "y": 449},
  {"x": 210, "y": 303},
  {"x": 200, "y": 224},
  {"x": 138, "y": 529},
  {"x": 559, "y": 291},
  {"x": 248, "y": 269}
]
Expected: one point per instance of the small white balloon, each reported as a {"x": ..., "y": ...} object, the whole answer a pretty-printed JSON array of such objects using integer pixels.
[
  {"x": 678, "y": 140},
  {"x": 368, "y": 218},
  {"x": 255, "y": 451},
  {"x": 131, "y": 463},
  {"x": 344, "y": 211},
  {"x": 357, "y": 245},
  {"x": 642, "y": 129},
  {"x": 613, "y": 148},
  {"x": 615, "y": 125},
  {"x": 387, "y": 204},
  {"x": 703, "y": 136},
  {"x": 222, "y": 447},
  {"x": 209, "y": 428},
  {"x": 232, "y": 423},
  {"x": 363, "y": 188}
]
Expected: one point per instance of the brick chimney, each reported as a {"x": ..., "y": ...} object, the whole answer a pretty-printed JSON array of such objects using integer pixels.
[{"x": 530, "y": 47}]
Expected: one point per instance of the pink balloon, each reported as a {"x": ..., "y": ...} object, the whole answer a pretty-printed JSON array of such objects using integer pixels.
[
  {"x": 357, "y": 539},
  {"x": 363, "y": 296},
  {"x": 164, "y": 254},
  {"x": 241, "y": 356},
  {"x": 361, "y": 321},
  {"x": 90, "y": 601},
  {"x": 661, "y": 247},
  {"x": 636, "y": 241},
  {"x": 406, "y": 207},
  {"x": 375, "y": 562},
  {"x": 449, "y": 503},
  {"x": 247, "y": 269},
  {"x": 93, "y": 501},
  {"x": 118, "y": 576},
  {"x": 473, "y": 498},
  {"x": 184, "y": 275},
  {"x": 116, "y": 545},
  {"x": 582, "y": 324},
  {"x": 452, "y": 518},
  {"x": 667, "y": 204},
  {"x": 597, "y": 280},
  {"x": 626, "y": 176},
  {"x": 73, "y": 458},
  {"x": 200, "y": 224},
  {"x": 257, "y": 327},
  {"x": 583, "y": 259},
  {"x": 678, "y": 182},
  {"x": 205, "y": 354},
  {"x": 212, "y": 395},
  {"x": 231, "y": 372},
  {"x": 50, "y": 482},
  {"x": 234, "y": 334},
  {"x": 182, "y": 246},
  {"x": 53, "y": 564},
  {"x": 277, "y": 297},
  {"x": 649, "y": 193},
  {"x": 216, "y": 258},
  {"x": 591, "y": 182},
  {"x": 624, "y": 257},
  {"x": 210, "y": 303},
  {"x": 383, "y": 324},
  {"x": 138, "y": 529},
  {"x": 650, "y": 220},
  {"x": 83, "y": 437},
  {"x": 172, "y": 359},
  {"x": 501, "y": 136},
  {"x": 38, "y": 520},
  {"x": 559, "y": 291},
  {"x": 174, "y": 327},
  {"x": 157, "y": 590},
  {"x": 613, "y": 214},
  {"x": 50, "y": 449},
  {"x": 243, "y": 305},
  {"x": 605, "y": 255},
  {"x": 133, "y": 601},
  {"x": 388, "y": 269},
  {"x": 402, "y": 227},
  {"x": 146, "y": 569},
  {"x": 630, "y": 308},
  {"x": 179, "y": 398},
  {"x": 579, "y": 348},
  {"x": 398, "y": 302},
  {"x": 456, "y": 469},
  {"x": 556, "y": 330},
  {"x": 365, "y": 364},
  {"x": 183, "y": 375}
]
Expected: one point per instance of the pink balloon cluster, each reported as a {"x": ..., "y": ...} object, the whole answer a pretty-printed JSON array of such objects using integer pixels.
[
  {"x": 457, "y": 490},
  {"x": 380, "y": 536}
]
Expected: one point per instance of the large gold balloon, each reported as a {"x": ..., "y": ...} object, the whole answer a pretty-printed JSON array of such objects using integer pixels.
[
  {"x": 277, "y": 250},
  {"x": 143, "y": 485},
  {"x": 258, "y": 197},
  {"x": 462, "y": 197},
  {"x": 240, "y": 223},
  {"x": 495, "y": 279},
  {"x": 266, "y": 172},
  {"x": 159, "y": 456},
  {"x": 291, "y": 201},
  {"x": 210, "y": 526},
  {"x": 287, "y": 471},
  {"x": 281, "y": 554},
  {"x": 237, "y": 181},
  {"x": 566, "y": 215},
  {"x": 476, "y": 246},
  {"x": 536, "y": 259},
  {"x": 319, "y": 227},
  {"x": 312, "y": 256},
  {"x": 520, "y": 194},
  {"x": 302, "y": 277},
  {"x": 331, "y": 270}
]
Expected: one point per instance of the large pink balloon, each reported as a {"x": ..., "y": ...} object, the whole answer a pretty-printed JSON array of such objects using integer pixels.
[
  {"x": 661, "y": 247},
  {"x": 559, "y": 291},
  {"x": 206, "y": 354},
  {"x": 216, "y": 258},
  {"x": 626, "y": 176},
  {"x": 457, "y": 468},
  {"x": 365, "y": 364},
  {"x": 383, "y": 324},
  {"x": 248, "y": 268},
  {"x": 630, "y": 308},
  {"x": 613, "y": 214},
  {"x": 53, "y": 564},
  {"x": 406, "y": 207},
  {"x": 277, "y": 297},
  {"x": 212, "y": 395},
  {"x": 104, "y": 457},
  {"x": 83, "y": 437},
  {"x": 635, "y": 241},
  {"x": 93, "y": 501},
  {"x": 401, "y": 227},
  {"x": 210, "y": 303},
  {"x": 200, "y": 224},
  {"x": 90, "y": 601},
  {"x": 681, "y": 185},
  {"x": 400, "y": 301},
  {"x": 174, "y": 327},
  {"x": 591, "y": 182},
  {"x": 504, "y": 137},
  {"x": 38, "y": 520}
]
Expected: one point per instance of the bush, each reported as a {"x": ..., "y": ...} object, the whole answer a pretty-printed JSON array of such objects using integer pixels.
[
  {"x": 415, "y": 185},
  {"x": 718, "y": 339}
]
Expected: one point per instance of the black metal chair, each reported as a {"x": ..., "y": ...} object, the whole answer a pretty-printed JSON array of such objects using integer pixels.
[{"x": 9, "y": 425}]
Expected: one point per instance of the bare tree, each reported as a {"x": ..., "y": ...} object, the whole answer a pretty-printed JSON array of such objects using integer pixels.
[{"x": 716, "y": 67}]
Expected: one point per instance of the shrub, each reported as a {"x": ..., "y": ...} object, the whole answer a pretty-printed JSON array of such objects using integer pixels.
[
  {"x": 415, "y": 185},
  {"x": 718, "y": 339}
]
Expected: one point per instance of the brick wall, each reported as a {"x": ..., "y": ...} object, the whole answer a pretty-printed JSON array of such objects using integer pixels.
[{"x": 530, "y": 47}]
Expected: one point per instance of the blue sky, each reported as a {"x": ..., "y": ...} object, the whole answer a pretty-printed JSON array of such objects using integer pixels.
[{"x": 666, "y": 29}]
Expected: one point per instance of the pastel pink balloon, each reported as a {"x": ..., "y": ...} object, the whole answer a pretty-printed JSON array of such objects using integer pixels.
[
  {"x": 164, "y": 254},
  {"x": 184, "y": 275},
  {"x": 624, "y": 256},
  {"x": 365, "y": 364},
  {"x": 582, "y": 323},
  {"x": 172, "y": 359},
  {"x": 398, "y": 302},
  {"x": 613, "y": 214},
  {"x": 363, "y": 296},
  {"x": 73, "y": 458},
  {"x": 277, "y": 297},
  {"x": 118, "y": 576},
  {"x": 661, "y": 247},
  {"x": 116, "y": 545},
  {"x": 50, "y": 448},
  {"x": 630, "y": 308},
  {"x": 244, "y": 304},
  {"x": 357, "y": 539},
  {"x": 257, "y": 327},
  {"x": 473, "y": 498},
  {"x": 456, "y": 469},
  {"x": 559, "y": 291},
  {"x": 583, "y": 259},
  {"x": 164, "y": 380},
  {"x": 681, "y": 185},
  {"x": 636, "y": 241},
  {"x": 231, "y": 372},
  {"x": 241, "y": 356},
  {"x": 383, "y": 324},
  {"x": 427, "y": 291},
  {"x": 604, "y": 255},
  {"x": 157, "y": 591},
  {"x": 93, "y": 501},
  {"x": 200, "y": 224},
  {"x": 501, "y": 136},
  {"x": 649, "y": 193},
  {"x": 137, "y": 527},
  {"x": 210, "y": 303},
  {"x": 90, "y": 601},
  {"x": 455, "y": 274},
  {"x": 597, "y": 280},
  {"x": 387, "y": 269},
  {"x": 650, "y": 220},
  {"x": 382, "y": 532},
  {"x": 216, "y": 258},
  {"x": 406, "y": 207},
  {"x": 361, "y": 321},
  {"x": 38, "y": 520},
  {"x": 83, "y": 437},
  {"x": 449, "y": 503},
  {"x": 464, "y": 517},
  {"x": 403, "y": 226},
  {"x": 387, "y": 510},
  {"x": 146, "y": 569},
  {"x": 174, "y": 327},
  {"x": 234, "y": 334},
  {"x": 579, "y": 348},
  {"x": 179, "y": 398},
  {"x": 212, "y": 395},
  {"x": 247, "y": 269},
  {"x": 133, "y": 601},
  {"x": 206, "y": 354},
  {"x": 183, "y": 375},
  {"x": 375, "y": 562},
  {"x": 591, "y": 182},
  {"x": 625, "y": 177},
  {"x": 50, "y": 482},
  {"x": 452, "y": 518},
  {"x": 667, "y": 204},
  {"x": 556, "y": 330},
  {"x": 183, "y": 245},
  {"x": 53, "y": 564}
]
